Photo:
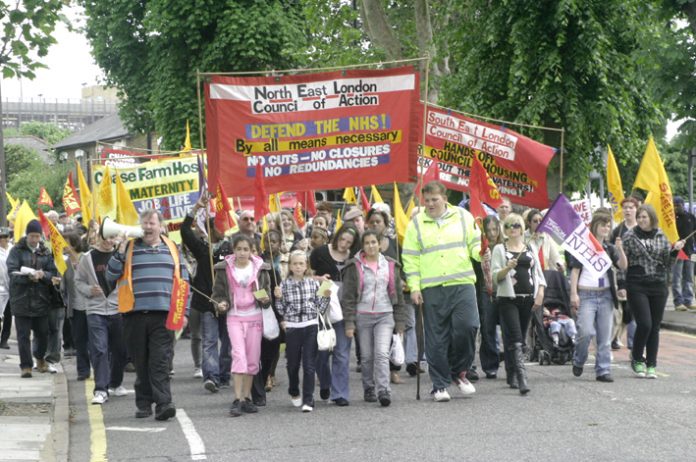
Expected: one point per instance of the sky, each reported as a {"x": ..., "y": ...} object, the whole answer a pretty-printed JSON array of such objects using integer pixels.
[{"x": 69, "y": 66}]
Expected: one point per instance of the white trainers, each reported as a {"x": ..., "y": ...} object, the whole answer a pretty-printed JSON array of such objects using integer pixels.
[
  {"x": 296, "y": 401},
  {"x": 441, "y": 396},
  {"x": 198, "y": 373},
  {"x": 465, "y": 386},
  {"x": 100, "y": 397},
  {"x": 118, "y": 391},
  {"x": 52, "y": 368},
  {"x": 307, "y": 408}
]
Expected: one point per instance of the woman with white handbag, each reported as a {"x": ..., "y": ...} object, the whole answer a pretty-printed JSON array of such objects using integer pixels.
[
  {"x": 372, "y": 301},
  {"x": 328, "y": 261}
]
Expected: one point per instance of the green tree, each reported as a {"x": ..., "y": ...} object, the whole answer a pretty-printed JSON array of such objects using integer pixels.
[
  {"x": 572, "y": 64},
  {"x": 19, "y": 159},
  {"x": 150, "y": 51},
  {"x": 28, "y": 173},
  {"x": 27, "y": 33}
]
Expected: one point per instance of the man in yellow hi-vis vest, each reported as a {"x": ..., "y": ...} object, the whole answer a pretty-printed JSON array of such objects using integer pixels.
[{"x": 437, "y": 251}]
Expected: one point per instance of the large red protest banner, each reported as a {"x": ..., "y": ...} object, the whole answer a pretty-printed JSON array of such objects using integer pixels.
[
  {"x": 312, "y": 131},
  {"x": 515, "y": 163}
]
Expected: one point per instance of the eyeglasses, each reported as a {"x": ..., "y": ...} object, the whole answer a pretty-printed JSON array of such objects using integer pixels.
[{"x": 513, "y": 226}]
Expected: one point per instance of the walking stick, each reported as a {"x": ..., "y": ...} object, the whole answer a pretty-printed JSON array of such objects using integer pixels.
[{"x": 419, "y": 343}]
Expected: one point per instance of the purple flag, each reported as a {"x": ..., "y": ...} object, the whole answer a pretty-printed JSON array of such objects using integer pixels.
[
  {"x": 202, "y": 183},
  {"x": 567, "y": 228}
]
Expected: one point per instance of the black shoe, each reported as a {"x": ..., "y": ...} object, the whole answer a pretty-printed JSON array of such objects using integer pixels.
[
  {"x": 577, "y": 370},
  {"x": 4, "y": 346},
  {"x": 224, "y": 384},
  {"x": 143, "y": 413},
  {"x": 341, "y": 402},
  {"x": 259, "y": 402},
  {"x": 369, "y": 395},
  {"x": 491, "y": 375},
  {"x": 606, "y": 378},
  {"x": 211, "y": 386},
  {"x": 236, "y": 408},
  {"x": 384, "y": 398},
  {"x": 166, "y": 412},
  {"x": 412, "y": 369},
  {"x": 324, "y": 393},
  {"x": 472, "y": 375},
  {"x": 248, "y": 407},
  {"x": 82, "y": 378},
  {"x": 358, "y": 368},
  {"x": 615, "y": 345}
]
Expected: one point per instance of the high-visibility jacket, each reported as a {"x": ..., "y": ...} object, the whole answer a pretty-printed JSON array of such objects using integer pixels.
[{"x": 438, "y": 252}]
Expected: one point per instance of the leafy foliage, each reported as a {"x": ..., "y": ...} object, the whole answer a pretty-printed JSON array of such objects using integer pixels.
[
  {"x": 27, "y": 173},
  {"x": 50, "y": 133},
  {"x": 151, "y": 51},
  {"x": 27, "y": 27},
  {"x": 569, "y": 64}
]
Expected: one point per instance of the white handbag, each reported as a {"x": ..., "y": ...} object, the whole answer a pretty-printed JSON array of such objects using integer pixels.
[
  {"x": 397, "y": 356},
  {"x": 335, "y": 312},
  {"x": 271, "y": 329},
  {"x": 326, "y": 335}
]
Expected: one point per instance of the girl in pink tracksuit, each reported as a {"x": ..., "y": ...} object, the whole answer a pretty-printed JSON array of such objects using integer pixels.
[
  {"x": 237, "y": 279},
  {"x": 373, "y": 302}
]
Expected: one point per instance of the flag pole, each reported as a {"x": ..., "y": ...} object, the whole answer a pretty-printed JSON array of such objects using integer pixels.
[
  {"x": 204, "y": 174},
  {"x": 419, "y": 182},
  {"x": 560, "y": 186}
]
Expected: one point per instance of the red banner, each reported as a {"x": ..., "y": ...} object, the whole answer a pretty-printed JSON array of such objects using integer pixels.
[
  {"x": 312, "y": 131},
  {"x": 177, "y": 304},
  {"x": 71, "y": 204},
  {"x": 515, "y": 163}
]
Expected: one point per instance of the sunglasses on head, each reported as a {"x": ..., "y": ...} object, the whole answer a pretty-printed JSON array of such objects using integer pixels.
[{"x": 513, "y": 226}]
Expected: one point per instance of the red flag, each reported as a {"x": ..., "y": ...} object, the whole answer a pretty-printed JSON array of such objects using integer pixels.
[
  {"x": 71, "y": 201},
  {"x": 299, "y": 215},
  {"x": 306, "y": 198},
  {"x": 260, "y": 196},
  {"x": 481, "y": 189},
  {"x": 364, "y": 201},
  {"x": 223, "y": 220},
  {"x": 44, "y": 198},
  {"x": 432, "y": 174},
  {"x": 682, "y": 255}
]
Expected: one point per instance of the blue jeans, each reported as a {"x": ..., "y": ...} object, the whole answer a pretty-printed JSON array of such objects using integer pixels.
[
  {"x": 107, "y": 350},
  {"x": 217, "y": 355},
  {"x": 683, "y": 282},
  {"x": 595, "y": 318},
  {"x": 80, "y": 334},
  {"x": 336, "y": 377},
  {"x": 375, "y": 332}
]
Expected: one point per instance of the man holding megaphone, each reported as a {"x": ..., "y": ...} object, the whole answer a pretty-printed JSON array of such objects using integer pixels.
[{"x": 151, "y": 280}]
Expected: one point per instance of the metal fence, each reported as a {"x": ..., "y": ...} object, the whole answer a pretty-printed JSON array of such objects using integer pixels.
[{"x": 71, "y": 114}]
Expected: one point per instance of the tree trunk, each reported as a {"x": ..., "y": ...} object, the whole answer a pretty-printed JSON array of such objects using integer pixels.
[{"x": 379, "y": 30}]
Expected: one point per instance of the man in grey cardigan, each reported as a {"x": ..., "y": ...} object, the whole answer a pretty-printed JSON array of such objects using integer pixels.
[{"x": 104, "y": 322}]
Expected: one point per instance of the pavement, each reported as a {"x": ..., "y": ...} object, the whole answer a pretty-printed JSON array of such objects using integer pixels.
[{"x": 35, "y": 414}]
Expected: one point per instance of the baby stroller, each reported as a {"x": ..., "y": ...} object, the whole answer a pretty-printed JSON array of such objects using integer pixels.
[{"x": 556, "y": 296}]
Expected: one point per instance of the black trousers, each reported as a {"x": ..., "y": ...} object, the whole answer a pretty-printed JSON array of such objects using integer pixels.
[
  {"x": 270, "y": 349},
  {"x": 515, "y": 314},
  {"x": 6, "y": 324},
  {"x": 150, "y": 344},
  {"x": 648, "y": 305},
  {"x": 301, "y": 349},
  {"x": 80, "y": 338},
  {"x": 24, "y": 325}
]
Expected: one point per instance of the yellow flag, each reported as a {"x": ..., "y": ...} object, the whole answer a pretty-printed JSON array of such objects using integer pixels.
[
  {"x": 187, "y": 142},
  {"x": 13, "y": 202},
  {"x": 125, "y": 210},
  {"x": 264, "y": 231},
  {"x": 85, "y": 196},
  {"x": 349, "y": 196},
  {"x": 401, "y": 218},
  {"x": 14, "y": 209},
  {"x": 274, "y": 203},
  {"x": 58, "y": 244},
  {"x": 106, "y": 203},
  {"x": 24, "y": 215},
  {"x": 376, "y": 197},
  {"x": 616, "y": 195},
  {"x": 339, "y": 221},
  {"x": 652, "y": 177}
]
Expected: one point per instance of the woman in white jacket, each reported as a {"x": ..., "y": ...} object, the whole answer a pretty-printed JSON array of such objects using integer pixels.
[
  {"x": 520, "y": 284},
  {"x": 106, "y": 345}
]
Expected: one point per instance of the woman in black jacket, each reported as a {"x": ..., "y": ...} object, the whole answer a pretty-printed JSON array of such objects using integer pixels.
[{"x": 30, "y": 295}]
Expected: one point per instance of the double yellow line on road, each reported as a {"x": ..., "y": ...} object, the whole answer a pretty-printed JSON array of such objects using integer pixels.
[{"x": 96, "y": 423}]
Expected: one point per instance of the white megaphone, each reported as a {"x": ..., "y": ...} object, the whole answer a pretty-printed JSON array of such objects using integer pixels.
[{"x": 109, "y": 228}]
